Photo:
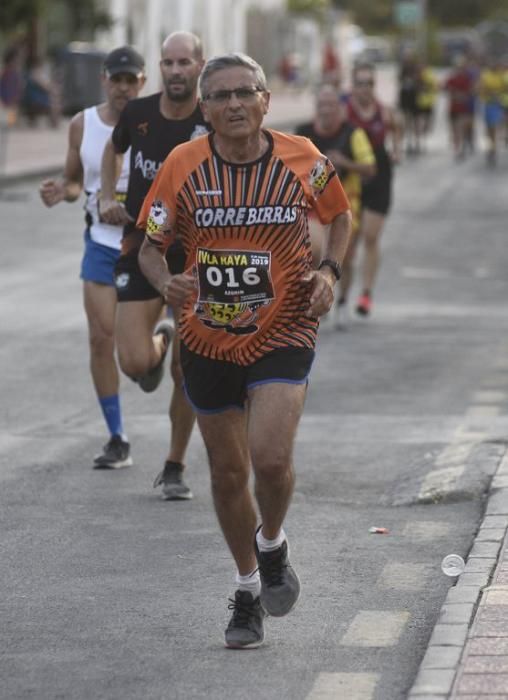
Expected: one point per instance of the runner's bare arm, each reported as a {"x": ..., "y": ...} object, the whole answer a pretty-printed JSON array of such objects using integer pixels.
[
  {"x": 337, "y": 237},
  {"x": 69, "y": 186},
  {"x": 175, "y": 289},
  {"x": 321, "y": 282},
  {"x": 394, "y": 126},
  {"x": 111, "y": 211}
]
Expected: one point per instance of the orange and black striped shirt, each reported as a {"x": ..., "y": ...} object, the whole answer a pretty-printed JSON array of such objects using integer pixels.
[{"x": 244, "y": 230}]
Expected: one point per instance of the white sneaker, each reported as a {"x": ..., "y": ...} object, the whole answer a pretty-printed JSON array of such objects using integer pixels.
[{"x": 341, "y": 316}]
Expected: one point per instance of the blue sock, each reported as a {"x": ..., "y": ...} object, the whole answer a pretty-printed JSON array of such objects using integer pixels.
[{"x": 112, "y": 413}]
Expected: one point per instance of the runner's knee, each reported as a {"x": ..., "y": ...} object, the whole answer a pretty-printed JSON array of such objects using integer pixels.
[{"x": 228, "y": 480}]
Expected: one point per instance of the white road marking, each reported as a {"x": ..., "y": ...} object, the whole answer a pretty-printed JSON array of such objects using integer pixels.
[
  {"x": 344, "y": 686},
  {"x": 375, "y": 628},
  {"x": 489, "y": 397},
  {"x": 438, "y": 481},
  {"x": 425, "y": 273},
  {"x": 456, "y": 453},
  {"x": 400, "y": 576},
  {"x": 426, "y": 531},
  {"x": 480, "y": 411}
]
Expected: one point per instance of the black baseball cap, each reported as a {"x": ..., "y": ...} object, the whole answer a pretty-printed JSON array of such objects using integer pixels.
[{"x": 124, "y": 60}]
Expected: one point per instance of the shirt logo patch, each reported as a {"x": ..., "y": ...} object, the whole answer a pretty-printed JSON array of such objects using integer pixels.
[
  {"x": 157, "y": 217},
  {"x": 122, "y": 280},
  {"x": 319, "y": 175},
  {"x": 142, "y": 128}
]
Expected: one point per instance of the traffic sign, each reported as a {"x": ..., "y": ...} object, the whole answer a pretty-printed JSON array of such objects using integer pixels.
[{"x": 408, "y": 13}]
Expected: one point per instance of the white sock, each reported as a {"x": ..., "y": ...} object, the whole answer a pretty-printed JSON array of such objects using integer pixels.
[
  {"x": 269, "y": 545},
  {"x": 251, "y": 583}
]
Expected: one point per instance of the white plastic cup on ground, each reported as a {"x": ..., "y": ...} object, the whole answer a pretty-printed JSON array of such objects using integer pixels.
[{"x": 453, "y": 565}]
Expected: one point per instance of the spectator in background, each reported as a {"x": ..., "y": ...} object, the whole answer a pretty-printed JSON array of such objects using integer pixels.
[
  {"x": 331, "y": 69},
  {"x": 460, "y": 88},
  {"x": 409, "y": 79},
  {"x": 40, "y": 97},
  {"x": 11, "y": 84},
  {"x": 289, "y": 69}
]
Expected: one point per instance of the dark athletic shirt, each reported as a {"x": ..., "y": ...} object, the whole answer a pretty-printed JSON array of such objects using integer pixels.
[
  {"x": 339, "y": 141},
  {"x": 374, "y": 127},
  {"x": 151, "y": 138}
]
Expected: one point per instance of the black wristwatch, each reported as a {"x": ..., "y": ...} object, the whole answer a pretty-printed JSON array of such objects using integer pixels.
[{"x": 333, "y": 265}]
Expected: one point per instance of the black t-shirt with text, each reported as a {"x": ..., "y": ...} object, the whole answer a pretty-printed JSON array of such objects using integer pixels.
[{"x": 151, "y": 138}]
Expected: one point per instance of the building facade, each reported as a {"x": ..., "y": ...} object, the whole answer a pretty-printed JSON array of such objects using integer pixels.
[{"x": 222, "y": 25}]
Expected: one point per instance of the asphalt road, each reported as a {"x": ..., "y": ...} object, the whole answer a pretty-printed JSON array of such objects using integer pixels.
[{"x": 109, "y": 593}]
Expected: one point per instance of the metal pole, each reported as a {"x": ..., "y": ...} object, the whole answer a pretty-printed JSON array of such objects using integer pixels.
[{"x": 423, "y": 29}]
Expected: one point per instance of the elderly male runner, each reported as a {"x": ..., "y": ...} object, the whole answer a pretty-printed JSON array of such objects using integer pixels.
[
  {"x": 122, "y": 79},
  {"x": 152, "y": 126},
  {"x": 238, "y": 200}
]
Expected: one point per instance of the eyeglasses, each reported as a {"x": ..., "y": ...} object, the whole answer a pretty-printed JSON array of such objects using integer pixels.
[
  {"x": 243, "y": 94},
  {"x": 364, "y": 83}
]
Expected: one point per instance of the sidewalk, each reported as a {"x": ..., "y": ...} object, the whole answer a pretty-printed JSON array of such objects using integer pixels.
[
  {"x": 467, "y": 656},
  {"x": 40, "y": 151}
]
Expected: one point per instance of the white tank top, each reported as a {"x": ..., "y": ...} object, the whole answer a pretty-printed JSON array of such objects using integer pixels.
[{"x": 95, "y": 135}]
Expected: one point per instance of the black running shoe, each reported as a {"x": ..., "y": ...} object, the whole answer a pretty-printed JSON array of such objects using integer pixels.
[
  {"x": 174, "y": 487},
  {"x": 115, "y": 454},
  {"x": 151, "y": 380},
  {"x": 280, "y": 586},
  {"x": 245, "y": 629}
]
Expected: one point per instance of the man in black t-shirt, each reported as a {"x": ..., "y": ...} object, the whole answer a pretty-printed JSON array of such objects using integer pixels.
[{"x": 151, "y": 127}]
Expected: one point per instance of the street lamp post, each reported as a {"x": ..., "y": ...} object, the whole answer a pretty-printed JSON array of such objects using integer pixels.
[{"x": 422, "y": 29}]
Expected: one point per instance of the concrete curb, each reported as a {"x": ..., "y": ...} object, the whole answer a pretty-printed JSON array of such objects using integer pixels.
[{"x": 441, "y": 665}]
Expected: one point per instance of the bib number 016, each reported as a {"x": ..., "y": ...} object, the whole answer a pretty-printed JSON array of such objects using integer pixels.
[{"x": 215, "y": 276}]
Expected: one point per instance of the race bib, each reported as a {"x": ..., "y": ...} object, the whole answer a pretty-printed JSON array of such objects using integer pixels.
[
  {"x": 233, "y": 276},
  {"x": 232, "y": 286}
]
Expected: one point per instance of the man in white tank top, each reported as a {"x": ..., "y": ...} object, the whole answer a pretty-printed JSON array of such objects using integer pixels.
[{"x": 122, "y": 78}]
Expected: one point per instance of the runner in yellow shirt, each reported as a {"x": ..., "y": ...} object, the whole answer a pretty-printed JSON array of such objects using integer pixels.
[{"x": 492, "y": 90}]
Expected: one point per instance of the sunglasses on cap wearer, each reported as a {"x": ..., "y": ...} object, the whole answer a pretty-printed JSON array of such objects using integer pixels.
[{"x": 129, "y": 77}]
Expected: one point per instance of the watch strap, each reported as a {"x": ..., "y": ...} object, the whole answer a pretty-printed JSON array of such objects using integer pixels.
[{"x": 333, "y": 265}]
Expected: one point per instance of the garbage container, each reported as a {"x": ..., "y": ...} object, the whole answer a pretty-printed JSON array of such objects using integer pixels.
[{"x": 79, "y": 70}]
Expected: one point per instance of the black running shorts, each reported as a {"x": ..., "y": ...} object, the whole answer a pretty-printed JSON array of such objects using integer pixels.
[
  {"x": 377, "y": 192},
  {"x": 213, "y": 386},
  {"x": 130, "y": 282}
]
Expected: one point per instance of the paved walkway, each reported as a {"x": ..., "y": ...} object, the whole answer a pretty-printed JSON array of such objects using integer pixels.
[
  {"x": 40, "y": 150},
  {"x": 467, "y": 657}
]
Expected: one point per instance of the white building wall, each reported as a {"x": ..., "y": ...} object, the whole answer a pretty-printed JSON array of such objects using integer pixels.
[{"x": 222, "y": 25}]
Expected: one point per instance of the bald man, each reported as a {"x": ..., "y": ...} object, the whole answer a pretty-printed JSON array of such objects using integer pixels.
[{"x": 151, "y": 128}]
